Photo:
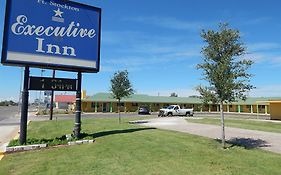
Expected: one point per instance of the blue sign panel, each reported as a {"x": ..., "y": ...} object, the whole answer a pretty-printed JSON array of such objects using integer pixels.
[{"x": 52, "y": 34}]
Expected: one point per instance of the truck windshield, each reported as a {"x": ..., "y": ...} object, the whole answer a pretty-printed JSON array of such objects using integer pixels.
[{"x": 170, "y": 107}]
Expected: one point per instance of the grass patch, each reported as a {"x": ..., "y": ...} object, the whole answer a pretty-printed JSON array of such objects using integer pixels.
[
  {"x": 242, "y": 123},
  {"x": 51, "y": 142},
  {"x": 135, "y": 150}
]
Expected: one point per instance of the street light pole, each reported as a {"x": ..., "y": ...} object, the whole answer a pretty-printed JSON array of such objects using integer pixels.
[
  {"x": 24, "y": 107},
  {"x": 39, "y": 105}
]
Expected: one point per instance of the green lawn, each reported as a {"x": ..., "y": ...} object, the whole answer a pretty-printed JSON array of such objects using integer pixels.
[
  {"x": 242, "y": 123},
  {"x": 134, "y": 150}
]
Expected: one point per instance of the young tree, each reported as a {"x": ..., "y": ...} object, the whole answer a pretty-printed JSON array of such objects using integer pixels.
[
  {"x": 174, "y": 94},
  {"x": 224, "y": 69},
  {"x": 121, "y": 87}
]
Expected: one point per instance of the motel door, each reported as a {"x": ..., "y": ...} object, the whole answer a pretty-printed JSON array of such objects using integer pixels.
[{"x": 104, "y": 107}]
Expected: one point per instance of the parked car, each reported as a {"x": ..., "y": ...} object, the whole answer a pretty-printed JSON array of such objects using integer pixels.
[
  {"x": 144, "y": 110},
  {"x": 175, "y": 110}
]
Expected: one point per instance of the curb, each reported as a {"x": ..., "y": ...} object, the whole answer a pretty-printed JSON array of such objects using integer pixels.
[
  {"x": 80, "y": 142},
  {"x": 1, "y": 157},
  {"x": 25, "y": 148},
  {"x": 2, "y": 154}
]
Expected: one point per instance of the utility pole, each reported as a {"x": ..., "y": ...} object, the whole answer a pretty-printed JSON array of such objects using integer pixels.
[
  {"x": 19, "y": 104},
  {"x": 39, "y": 105},
  {"x": 52, "y": 99}
]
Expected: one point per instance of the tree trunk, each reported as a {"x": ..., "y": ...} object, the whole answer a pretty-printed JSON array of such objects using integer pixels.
[
  {"x": 222, "y": 126},
  {"x": 119, "y": 111}
]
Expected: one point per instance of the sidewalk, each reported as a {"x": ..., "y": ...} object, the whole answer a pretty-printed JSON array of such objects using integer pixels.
[
  {"x": 9, "y": 129},
  {"x": 265, "y": 140}
]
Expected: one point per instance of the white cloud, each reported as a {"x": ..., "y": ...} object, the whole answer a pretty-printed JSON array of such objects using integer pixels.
[
  {"x": 167, "y": 92},
  {"x": 168, "y": 22},
  {"x": 264, "y": 46},
  {"x": 255, "y": 21},
  {"x": 140, "y": 51},
  {"x": 9, "y": 98},
  {"x": 266, "y": 91}
]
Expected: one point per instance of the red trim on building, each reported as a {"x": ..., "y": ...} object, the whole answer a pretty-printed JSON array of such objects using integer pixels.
[{"x": 65, "y": 98}]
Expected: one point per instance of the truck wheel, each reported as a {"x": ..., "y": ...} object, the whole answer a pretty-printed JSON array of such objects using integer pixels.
[
  {"x": 170, "y": 114},
  {"x": 187, "y": 114}
]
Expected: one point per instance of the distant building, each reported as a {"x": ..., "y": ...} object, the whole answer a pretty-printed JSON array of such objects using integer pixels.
[
  {"x": 64, "y": 101},
  {"x": 104, "y": 102}
]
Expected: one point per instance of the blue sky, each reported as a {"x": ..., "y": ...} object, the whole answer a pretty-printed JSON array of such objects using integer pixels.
[{"x": 159, "y": 43}]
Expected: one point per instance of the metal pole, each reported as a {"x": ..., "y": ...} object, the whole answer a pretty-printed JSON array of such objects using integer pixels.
[
  {"x": 77, "y": 126},
  {"x": 24, "y": 107},
  {"x": 52, "y": 99},
  {"x": 21, "y": 76}
]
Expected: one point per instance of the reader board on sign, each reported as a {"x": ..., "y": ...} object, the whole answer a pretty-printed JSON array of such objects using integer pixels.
[
  {"x": 52, "y": 34},
  {"x": 55, "y": 84}
]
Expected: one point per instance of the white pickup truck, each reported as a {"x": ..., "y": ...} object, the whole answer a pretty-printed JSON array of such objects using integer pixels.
[{"x": 175, "y": 110}]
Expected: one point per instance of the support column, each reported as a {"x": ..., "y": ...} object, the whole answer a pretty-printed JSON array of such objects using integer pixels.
[
  {"x": 96, "y": 106},
  {"x": 77, "y": 125},
  {"x": 125, "y": 107},
  {"x": 252, "y": 111},
  {"x": 24, "y": 107},
  {"x": 265, "y": 109},
  {"x": 218, "y": 108},
  {"x": 239, "y": 109},
  {"x": 257, "y": 109},
  {"x": 227, "y": 108},
  {"x": 111, "y": 108},
  {"x": 209, "y": 108},
  {"x": 201, "y": 108},
  {"x": 52, "y": 99}
]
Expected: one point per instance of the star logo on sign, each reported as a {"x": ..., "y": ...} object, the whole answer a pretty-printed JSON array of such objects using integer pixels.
[{"x": 58, "y": 13}]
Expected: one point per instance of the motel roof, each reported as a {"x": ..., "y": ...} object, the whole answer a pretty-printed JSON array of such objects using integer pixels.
[
  {"x": 65, "y": 98},
  {"x": 140, "y": 98}
]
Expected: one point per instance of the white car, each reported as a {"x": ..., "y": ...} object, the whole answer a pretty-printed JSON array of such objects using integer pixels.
[{"x": 175, "y": 110}]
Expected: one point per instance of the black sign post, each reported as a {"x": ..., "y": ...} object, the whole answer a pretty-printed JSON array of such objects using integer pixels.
[
  {"x": 52, "y": 99},
  {"x": 77, "y": 51},
  {"x": 24, "y": 107},
  {"x": 77, "y": 125},
  {"x": 52, "y": 84}
]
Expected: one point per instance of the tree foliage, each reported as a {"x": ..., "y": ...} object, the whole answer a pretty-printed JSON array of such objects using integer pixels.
[
  {"x": 173, "y": 94},
  {"x": 121, "y": 87},
  {"x": 223, "y": 67}
]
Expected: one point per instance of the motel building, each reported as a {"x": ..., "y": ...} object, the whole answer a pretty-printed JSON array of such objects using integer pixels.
[{"x": 104, "y": 102}]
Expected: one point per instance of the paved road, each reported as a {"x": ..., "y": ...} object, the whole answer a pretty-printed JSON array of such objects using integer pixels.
[
  {"x": 9, "y": 124},
  {"x": 248, "y": 138},
  {"x": 7, "y": 112}
]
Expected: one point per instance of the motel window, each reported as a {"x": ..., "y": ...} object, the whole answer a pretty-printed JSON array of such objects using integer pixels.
[
  {"x": 249, "y": 106},
  {"x": 135, "y": 104},
  {"x": 93, "y": 105},
  {"x": 230, "y": 106},
  {"x": 122, "y": 104},
  {"x": 261, "y": 106}
]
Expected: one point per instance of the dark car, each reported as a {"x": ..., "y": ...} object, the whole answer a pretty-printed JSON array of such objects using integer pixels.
[{"x": 143, "y": 110}]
